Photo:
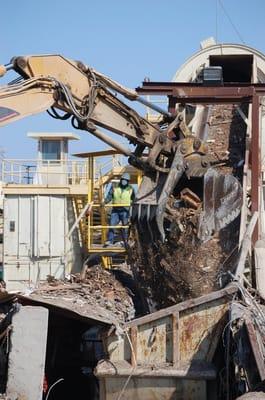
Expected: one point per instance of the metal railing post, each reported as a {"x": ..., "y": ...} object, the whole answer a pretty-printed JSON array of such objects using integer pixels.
[
  {"x": 3, "y": 170},
  {"x": 12, "y": 172}
]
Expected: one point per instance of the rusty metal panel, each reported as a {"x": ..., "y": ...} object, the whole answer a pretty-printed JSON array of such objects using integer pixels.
[
  {"x": 225, "y": 293},
  {"x": 197, "y": 370},
  {"x": 199, "y": 330},
  {"x": 255, "y": 341},
  {"x": 155, "y": 342},
  {"x": 196, "y": 338},
  {"x": 194, "y": 390},
  {"x": 185, "y": 334},
  {"x": 155, "y": 389}
]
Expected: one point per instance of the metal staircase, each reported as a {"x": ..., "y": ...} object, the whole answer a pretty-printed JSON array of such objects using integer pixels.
[{"x": 93, "y": 225}]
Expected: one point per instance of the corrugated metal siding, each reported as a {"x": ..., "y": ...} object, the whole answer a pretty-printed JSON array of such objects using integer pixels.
[
  {"x": 11, "y": 236},
  {"x": 42, "y": 226},
  {"x": 24, "y": 230},
  {"x": 57, "y": 229},
  {"x": 34, "y": 238}
]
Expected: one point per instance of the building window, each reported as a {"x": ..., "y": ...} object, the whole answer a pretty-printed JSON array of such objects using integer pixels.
[{"x": 51, "y": 150}]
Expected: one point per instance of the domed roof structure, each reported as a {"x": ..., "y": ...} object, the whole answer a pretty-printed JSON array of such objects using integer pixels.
[{"x": 244, "y": 60}]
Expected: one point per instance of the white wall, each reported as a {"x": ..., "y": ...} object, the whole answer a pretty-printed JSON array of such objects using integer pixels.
[{"x": 35, "y": 242}]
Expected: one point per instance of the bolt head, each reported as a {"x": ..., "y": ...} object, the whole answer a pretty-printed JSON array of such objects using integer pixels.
[
  {"x": 183, "y": 148},
  {"x": 161, "y": 139},
  {"x": 204, "y": 163},
  {"x": 196, "y": 144},
  {"x": 21, "y": 62}
]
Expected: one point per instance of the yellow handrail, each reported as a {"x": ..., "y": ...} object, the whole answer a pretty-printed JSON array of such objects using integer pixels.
[
  {"x": 111, "y": 205},
  {"x": 97, "y": 234},
  {"x": 109, "y": 227}
]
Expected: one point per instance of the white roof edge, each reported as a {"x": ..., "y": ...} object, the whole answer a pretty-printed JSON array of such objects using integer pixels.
[{"x": 53, "y": 135}]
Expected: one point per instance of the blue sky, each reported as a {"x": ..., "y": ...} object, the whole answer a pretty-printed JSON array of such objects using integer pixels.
[{"x": 126, "y": 40}]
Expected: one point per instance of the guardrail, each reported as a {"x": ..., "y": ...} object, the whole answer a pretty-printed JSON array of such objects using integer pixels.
[
  {"x": 104, "y": 165},
  {"x": 43, "y": 172}
]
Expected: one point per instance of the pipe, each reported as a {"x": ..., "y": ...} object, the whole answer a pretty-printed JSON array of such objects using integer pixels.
[
  {"x": 5, "y": 68},
  {"x": 9, "y": 66},
  {"x": 111, "y": 142},
  {"x": 259, "y": 251},
  {"x": 128, "y": 93},
  {"x": 246, "y": 244},
  {"x": 153, "y": 106}
]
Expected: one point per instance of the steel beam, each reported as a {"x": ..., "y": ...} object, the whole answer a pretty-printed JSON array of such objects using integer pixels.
[
  {"x": 167, "y": 88},
  {"x": 198, "y": 93}
]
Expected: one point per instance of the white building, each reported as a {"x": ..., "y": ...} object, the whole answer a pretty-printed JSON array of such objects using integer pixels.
[{"x": 39, "y": 212}]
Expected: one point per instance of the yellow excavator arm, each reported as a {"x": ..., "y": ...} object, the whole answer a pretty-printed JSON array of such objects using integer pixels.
[
  {"x": 90, "y": 99},
  {"x": 54, "y": 81}
]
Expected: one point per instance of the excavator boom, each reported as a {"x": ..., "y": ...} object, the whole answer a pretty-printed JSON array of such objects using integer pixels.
[
  {"x": 54, "y": 81},
  {"x": 92, "y": 100}
]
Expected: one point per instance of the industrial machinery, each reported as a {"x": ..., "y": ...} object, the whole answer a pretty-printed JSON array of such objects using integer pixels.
[
  {"x": 175, "y": 154},
  {"x": 208, "y": 347}
]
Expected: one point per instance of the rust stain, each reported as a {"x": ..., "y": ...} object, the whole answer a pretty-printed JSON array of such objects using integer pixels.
[{"x": 197, "y": 332}]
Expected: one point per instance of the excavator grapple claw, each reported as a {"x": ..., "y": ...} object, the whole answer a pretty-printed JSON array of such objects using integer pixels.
[
  {"x": 222, "y": 203},
  {"x": 150, "y": 204}
]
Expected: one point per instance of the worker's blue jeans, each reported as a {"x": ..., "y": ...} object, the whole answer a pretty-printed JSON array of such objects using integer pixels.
[{"x": 116, "y": 217}]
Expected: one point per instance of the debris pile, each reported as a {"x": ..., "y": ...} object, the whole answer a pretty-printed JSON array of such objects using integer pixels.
[
  {"x": 183, "y": 267},
  {"x": 99, "y": 293}
]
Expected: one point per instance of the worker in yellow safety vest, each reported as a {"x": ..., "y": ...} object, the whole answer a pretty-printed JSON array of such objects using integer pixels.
[{"x": 122, "y": 194}]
